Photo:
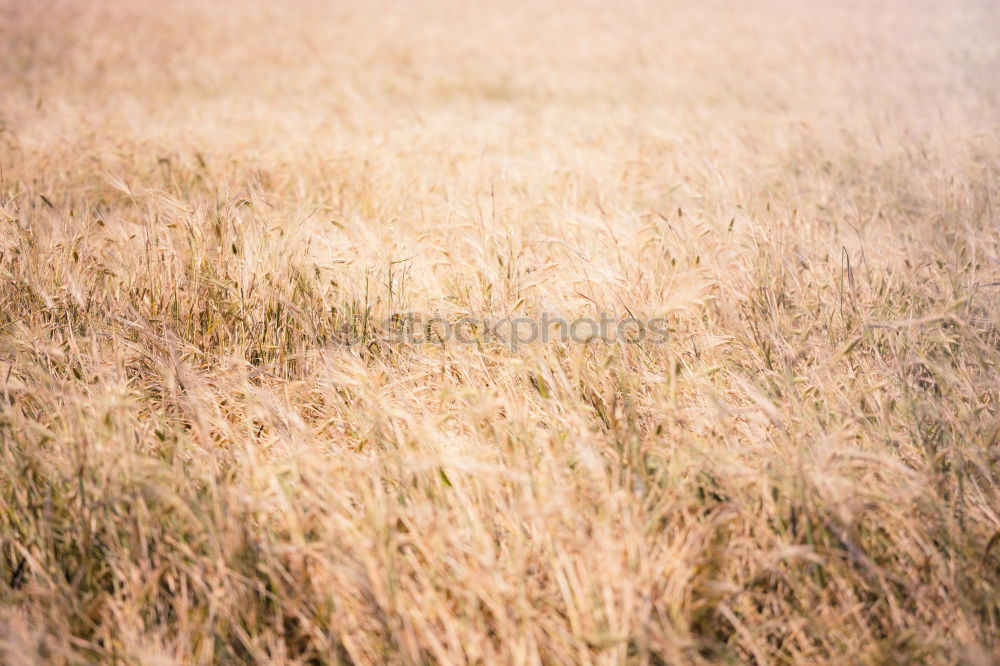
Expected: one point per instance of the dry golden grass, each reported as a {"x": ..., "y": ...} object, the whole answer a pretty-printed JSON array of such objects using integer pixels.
[{"x": 195, "y": 200}]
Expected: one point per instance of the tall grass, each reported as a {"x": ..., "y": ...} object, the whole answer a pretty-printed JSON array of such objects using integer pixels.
[{"x": 197, "y": 201}]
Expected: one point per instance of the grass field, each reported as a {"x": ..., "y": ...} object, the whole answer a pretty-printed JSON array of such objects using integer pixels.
[{"x": 214, "y": 450}]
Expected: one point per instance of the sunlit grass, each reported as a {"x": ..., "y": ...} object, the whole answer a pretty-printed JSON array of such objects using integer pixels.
[{"x": 197, "y": 203}]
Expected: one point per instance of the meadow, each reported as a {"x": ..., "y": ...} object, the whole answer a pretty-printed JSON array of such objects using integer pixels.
[{"x": 213, "y": 449}]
